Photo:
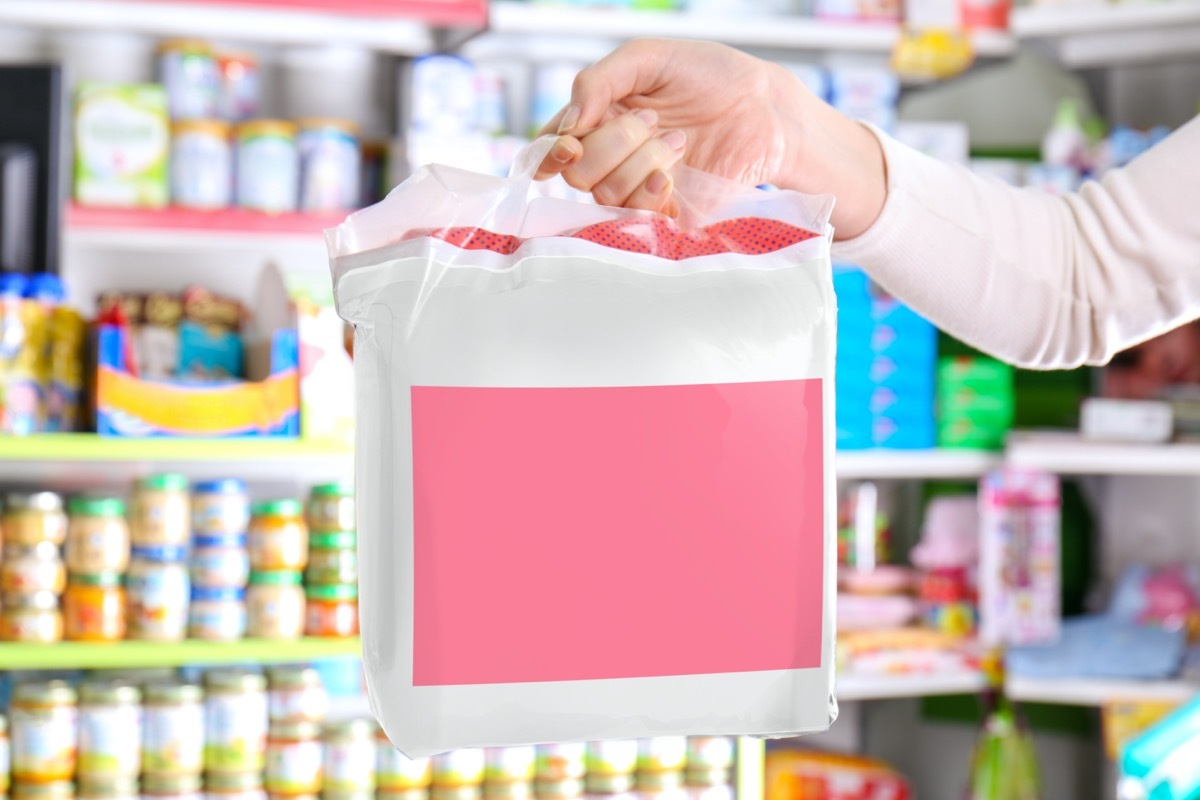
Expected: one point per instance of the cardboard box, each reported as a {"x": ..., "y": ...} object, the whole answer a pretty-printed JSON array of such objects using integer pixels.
[{"x": 122, "y": 143}]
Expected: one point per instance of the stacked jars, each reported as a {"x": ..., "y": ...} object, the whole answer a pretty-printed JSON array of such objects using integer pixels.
[
  {"x": 220, "y": 565},
  {"x": 158, "y": 584},
  {"x": 508, "y": 773},
  {"x": 97, "y": 555},
  {"x": 32, "y": 576},
  {"x": 296, "y": 705},
  {"x": 560, "y": 769},
  {"x": 109, "y": 756},
  {"x": 458, "y": 775},
  {"x": 278, "y": 540},
  {"x": 710, "y": 761},
  {"x": 349, "y": 760},
  {"x": 172, "y": 738},
  {"x": 235, "y": 723},
  {"x": 661, "y": 764},
  {"x": 398, "y": 777},
  {"x": 611, "y": 766},
  {"x": 43, "y": 735},
  {"x": 332, "y": 574}
]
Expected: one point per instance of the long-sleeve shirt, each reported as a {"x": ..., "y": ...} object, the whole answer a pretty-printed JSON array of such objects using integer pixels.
[{"x": 1036, "y": 279}]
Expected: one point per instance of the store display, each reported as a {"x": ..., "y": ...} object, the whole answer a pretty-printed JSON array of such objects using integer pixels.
[
  {"x": 1161, "y": 762},
  {"x": 172, "y": 787},
  {"x": 32, "y": 568},
  {"x": 275, "y": 606},
  {"x": 172, "y": 731},
  {"x": 33, "y": 517},
  {"x": 158, "y": 592},
  {"x": 93, "y": 608},
  {"x": 220, "y": 508},
  {"x": 801, "y": 775},
  {"x": 234, "y": 786},
  {"x": 97, "y": 536},
  {"x": 331, "y": 610},
  {"x": 459, "y": 768},
  {"x": 31, "y": 618},
  {"x": 1140, "y": 421},
  {"x": 396, "y": 772},
  {"x": 331, "y": 508},
  {"x": 217, "y": 613},
  {"x": 1004, "y": 766},
  {"x": 202, "y": 164},
  {"x": 240, "y": 84},
  {"x": 975, "y": 401}
]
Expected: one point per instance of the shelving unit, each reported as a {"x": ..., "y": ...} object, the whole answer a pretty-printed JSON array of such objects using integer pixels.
[
  {"x": 83, "y": 655},
  {"x": 887, "y": 687},
  {"x": 1113, "y": 33},
  {"x": 1097, "y": 691},
  {"x": 1069, "y": 454},
  {"x": 935, "y": 464}
]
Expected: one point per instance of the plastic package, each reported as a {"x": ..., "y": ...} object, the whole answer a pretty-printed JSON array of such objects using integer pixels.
[{"x": 556, "y": 400}]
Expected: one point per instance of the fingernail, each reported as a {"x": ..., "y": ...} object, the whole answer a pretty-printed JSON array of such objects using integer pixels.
[
  {"x": 648, "y": 116},
  {"x": 570, "y": 118},
  {"x": 674, "y": 139},
  {"x": 562, "y": 153},
  {"x": 657, "y": 182}
]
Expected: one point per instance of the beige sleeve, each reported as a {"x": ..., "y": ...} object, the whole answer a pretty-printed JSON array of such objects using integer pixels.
[{"x": 1035, "y": 279}]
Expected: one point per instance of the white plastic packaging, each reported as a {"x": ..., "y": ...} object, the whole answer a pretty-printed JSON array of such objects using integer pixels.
[{"x": 594, "y": 461}]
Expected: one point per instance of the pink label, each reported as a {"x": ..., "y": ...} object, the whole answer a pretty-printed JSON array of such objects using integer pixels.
[{"x": 580, "y": 534}]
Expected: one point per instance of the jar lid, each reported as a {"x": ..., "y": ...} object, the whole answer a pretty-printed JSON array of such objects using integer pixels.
[
  {"x": 337, "y": 540},
  {"x": 235, "y": 680},
  {"x": 279, "y": 507},
  {"x": 153, "y": 783},
  {"x": 109, "y": 693},
  {"x": 266, "y": 127},
  {"x": 45, "y": 551},
  {"x": 158, "y": 553},
  {"x": 107, "y": 786},
  {"x": 289, "y": 677},
  {"x": 45, "y": 693},
  {"x": 217, "y": 594},
  {"x": 335, "y": 489},
  {"x": 51, "y": 789},
  {"x": 221, "y": 486},
  {"x": 170, "y": 692},
  {"x": 33, "y": 501},
  {"x": 294, "y": 730},
  {"x": 164, "y": 481},
  {"x": 32, "y": 601},
  {"x": 276, "y": 578},
  {"x": 219, "y": 540},
  {"x": 233, "y": 781},
  {"x": 336, "y": 591},
  {"x": 214, "y": 127},
  {"x": 105, "y": 580},
  {"x": 358, "y": 728},
  {"x": 328, "y": 123},
  {"x": 96, "y": 506}
]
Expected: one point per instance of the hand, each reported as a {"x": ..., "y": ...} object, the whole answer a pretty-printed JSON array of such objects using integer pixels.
[{"x": 652, "y": 103}]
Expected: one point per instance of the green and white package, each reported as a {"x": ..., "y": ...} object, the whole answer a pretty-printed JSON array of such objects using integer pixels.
[{"x": 122, "y": 141}]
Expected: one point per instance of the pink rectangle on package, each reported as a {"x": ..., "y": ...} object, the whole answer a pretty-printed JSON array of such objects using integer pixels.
[{"x": 592, "y": 533}]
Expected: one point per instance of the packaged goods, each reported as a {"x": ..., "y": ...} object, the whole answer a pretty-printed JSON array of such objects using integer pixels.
[
  {"x": 188, "y": 70},
  {"x": 268, "y": 166},
  {"x": 612, "y": 757},
  {"x": 31, "y": 618},
  {"x": 44, "y": 729},
  {"x": 275, "y": 605},
  {"x": 709, "y": 752},
  {"x": 30, "y": 568},
  {"x": 277, "y": 536},
  {"x": 349, "y": 755},
  {"x": 330, "y": 165},
  {"x": 97, "y": 536},
  {"x": 110, "y": 731},
  {"x": 173, "y": 731},
  {"x": 234, "y": 786},
  {"x": 796, "y": 775},
  {"x": 462, "y": 767},
  {"x": 662, "y": 754},
  {"x": 217, "y": 613},
  {"x": 220, "y": 508},
  {"x": 239, "y": 85},
  {"x": 509, "y": 764},
  {"x": 93, "y": 608},
  {"x": 396, "y": 772},
  {"x": 330, "y": 566},
  {"x": 235, "y": 721},
  {"x": 31, "y": 518},
  {"x": 172, "y": 787},
  {"x": 201, "y": 164},
  {"x": 331, "y": 611},
  {"x": 219, "y": 562},
  {"x": 296, "y": 694},
  {"x": 122, "y": 138},
  {"x": 158, "y": 591},
  {"x": 293, "y": 758},
  {"x": 51, "y": 790},
  {"x": 160, "y": 513},
  {"x": 5, "y": 755},
  {"x": 331, "y": 507},
  {"x": 561, "y": 762}
]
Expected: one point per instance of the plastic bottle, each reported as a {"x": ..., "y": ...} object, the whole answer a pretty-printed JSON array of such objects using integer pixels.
[{"x": 1065, "y": 144}]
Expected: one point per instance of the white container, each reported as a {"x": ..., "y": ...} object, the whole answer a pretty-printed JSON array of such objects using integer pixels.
[
  {"x": 201, "y": 164},
  {"x": 268, "y": 166}
]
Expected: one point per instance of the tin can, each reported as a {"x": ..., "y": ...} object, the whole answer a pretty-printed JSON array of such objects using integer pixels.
[
  {"x": 188, "y": 70},
  {"x": 173, "y": 730},
  {"x": 278, "y": 536},
  {"x": 330, "y": 165},
  {"x": 94, "y": 608},
  {"x": 235, "y": 721},
  {"x": 201, "y": 164},
  {"x": 157, "y": 594},
  {"x": 28, "y": 568},
  {"x": 459, "y": 768},
  {"x": 97, "y": 535},
  {"x": 110, "y": 731},
  {"x": 296, "y": 694},
  {"x": 33, "y": 517},
  {"x": 561, "y": 762},
  {"x": 509, "y": 764},
  {"x": 331, "y": 507},
  {"x": 613, "y": 757},
  {"x": 396, "y": 772},
  {"x": 294, "y": 758},
  {"x": 217, "y": 614},
  {"x": 44, "y": 731},
  {"x": 268, "y": 166},
  {"x": 349, "y": 755},
  {"x": 662, "y": 754},
  {"x": 31, "y": 618},
  {"x": 220, "y": 507},
  {"x": 239, "y": 86}
]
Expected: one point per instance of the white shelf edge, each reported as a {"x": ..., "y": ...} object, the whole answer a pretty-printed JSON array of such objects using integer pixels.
[
  {"x": 1096, "y": 691},
  {"x": 1068, "y": 454},
  {"x": 915, "y": 464},
  {"x": 852, "y": 688},
  {"x": 1054, "y": 21},
  {"x": 77, "y": 475},
  {"x": 159, "y": 240}
]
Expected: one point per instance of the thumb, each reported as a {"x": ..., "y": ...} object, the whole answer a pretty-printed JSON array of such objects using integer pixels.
[{"x": 631, "y": 69}]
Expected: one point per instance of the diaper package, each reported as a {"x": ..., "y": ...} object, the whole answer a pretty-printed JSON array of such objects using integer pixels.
[{"x": 594, "y": 461}]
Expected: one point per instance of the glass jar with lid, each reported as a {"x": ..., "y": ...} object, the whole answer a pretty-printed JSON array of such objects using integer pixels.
[
  {"x": 33, "y": 517},
  {"x": 220, "y": 561},
  {"x": 235, "y": 721},
  {"x": 509, "y": 764},
  {"x": 110, "y": 731},
  {"x": 43, "y": 732},
  {"x": 171, "y": 787},
  {"x": 158, "y": 593},
  {"x": 217, "y": 614},
  {"x": 31, "y": 618},
  {"x": 220, "y": 508},
  {"x": 330, "y": 565},
  {"x": 234, "y": 786},
  {"x": 172, "y": 729},
  {"x": 51, "y": 790},
  {"x": 331, "y": 507},
  {"x": 459, "y": 768},
  {"x": 278, "y": 537},
  {"x": 296, "y": 694},
  {"x": 94, "y": 608},
  {"x": 160, "y": 512},
  {"x": 396, "y": 772},
  {"x": 108, "y": 787},
  {"x": 27, "y": 568},
  {"x": 5, "y": 755},
  {"x": 97, "y": 535},
  {"x": 293, "y": 758},
  {"x": 349, "y": 755},
  {"x": 275, "y": 605},
  {"x": 662, "y": 754},
  {"x": 332, "y": 610}
]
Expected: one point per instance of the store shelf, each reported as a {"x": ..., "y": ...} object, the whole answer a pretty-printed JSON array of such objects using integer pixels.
[
  {"x": 915, "y": 464},
  {"x": 80, "y": 459},
  {"x": 1096, "y": 691},
  {"x": 1069, "y": 454},
  {"x": 83, "y": 655},
  {"x": 1099, "y": 34},
  {"x": 885, "y": 687},
  {"x": 791, "y": 33}
]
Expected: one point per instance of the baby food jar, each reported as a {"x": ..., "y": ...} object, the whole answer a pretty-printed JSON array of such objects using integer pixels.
[
  {"x": 44, "y": 730},
  {"x": 33, "y": 517},
  {"x": 561, "y": 762},
  {"x": 5, "y": 755},
  {"x": 160, "y": 511},
  {"x": 27, "y": 568},
  {"x": 268, "y": 166},
  {"x": 234, "y": 786},
  {"x": 278, "y": 537},
  {"x": 31, "y": 618},
  {"x": 459, "y": 768},
  {"x": 53, "y": 790},
  {"x": 293, "y": 758},
  {"x": 171, "y": 787},
  {"x": 349, "y": 755},
  {"x": 509, "y": 764},
  {"x": 396, "y": 772},
  {"x": 172, "y": 730},
  {"x": 201, "y": 164},
  {"x": 662, "y": 754},
  {"x": 220, "y": 561},
  {"x": 296, "y": 694},
  {"x": 235, "y": 721},
  {"x": 332, "y": 611},
  {"x": 474, "y": 792},
  {"x": 706, "y": 753},
  {"x": 570, "y": 789},
  {"x": 110, "y": 731},
  {"x": 402, "y": 794},
  {"x": 521, "y": 790},
  {"x": 660, "y": 783},
  {"x": 608, "y": 785},
  {"x": 94, "y": 608},
  {"x": 217, "y": 614},
  {"x": 331, "y": 507},
  {"x": 275, "y": 606},
  {"x": 612, "y": 757},
  {"x": 157, "y": 593},
  {"x": 220, "y": 508},
  {"x": 331, "y": 565},
  {"x": 93, "y": 787},
  {"x": 97, "y": 535}
]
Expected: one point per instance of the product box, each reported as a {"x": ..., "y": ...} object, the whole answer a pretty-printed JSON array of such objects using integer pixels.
[
  {"x": 122, "y": 141},
  {"x": 800, "y": 775}
]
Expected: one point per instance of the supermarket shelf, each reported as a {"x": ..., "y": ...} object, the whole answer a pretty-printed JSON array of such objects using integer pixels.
[
  {"x": 915, "y": 464},
  {"x": 1068, "y": 454},
  {"x": 791, "y": 33},
  {"x": 1097, "y": 35},
  {"x": 885, "y": 687},
  {"x": 78, "y": 459},
  {"x": 83, "y": 655},
  {"x": 1097, "y": 691}
]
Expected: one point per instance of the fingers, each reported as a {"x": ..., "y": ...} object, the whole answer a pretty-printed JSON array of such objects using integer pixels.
[
  {"x": 633, "y": 68},
  {"x": 656, "y": 193},
  {"x": 607, "y": 147},
  {"x": 565, "y": 152},
  {"x": 632, "y": 183}
]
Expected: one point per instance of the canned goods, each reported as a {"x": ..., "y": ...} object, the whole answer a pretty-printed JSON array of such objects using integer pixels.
[
  {"x": 268, "y": 166},
  {"x": 330, "y": 163},
  {"x": 31, "y": 618},
  {"x": 509, "y": 764},
  {"x": 171, "y": 787},
  {"x": 220, "y": 562},
  {"x": 349, "y": 755},
  {"x": 160, "y": 511},
  {"x": 331, "y": 507},
  {"x": 614, "y": 757},
  {"x": 234, "y": 786},
  {"x": 217, "y": 614},
  {"x": 110, "y": 731},
  {"x": 296, "y": 694},
  {"x": 201, "y": 164},
  {"x": 33, "y": 517},
  {"x": 275, "y": 605},
  {"x": 293, "y": 758},
  {"x": 239, "y": 85},
  {"x": 332, "y": 611},
  {"x": 710, "y": 753},
  {"x": 97, "y": 535},
  {"x": 459, "y": 768},
  {"x": 235, "y": 721},
  {"x": 157, "y": 594},
  {"x": 220, "y": 508},
  {"x": 188, "y": 70},
  {"x": 93, "y": 787},
  {"x": 396, "y": 772},
  {"x": 278, "y": 537},
  {"x": 662, "y": 754},
  {"x": 172, "y": 730},
  {"x": 94, "y": 608},
  {"x": 28, "y": 568},
  {"x": 327, "y": 567},
  {"x": 561, "y": 762},
  {"x": 44, "y": 730}
]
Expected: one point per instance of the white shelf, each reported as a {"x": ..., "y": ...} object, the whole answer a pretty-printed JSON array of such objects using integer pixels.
[
  {"x": 1088, "y": 35},
  {"x": 791, "y": 33},
  {"x": 885, "y": 687},
  {"x": 915, "y": 464},
  {"x": 1068, "y": 454},
  {"x": 1096, "y": 691}
]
